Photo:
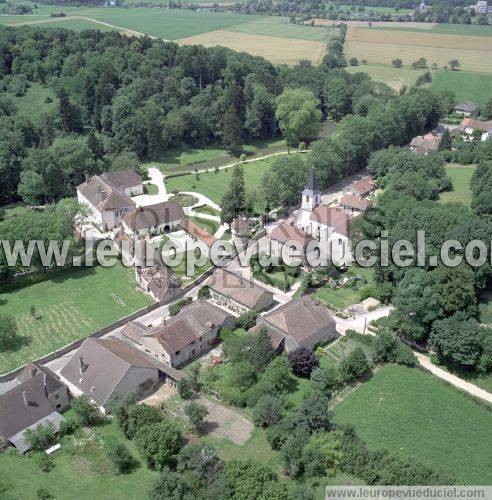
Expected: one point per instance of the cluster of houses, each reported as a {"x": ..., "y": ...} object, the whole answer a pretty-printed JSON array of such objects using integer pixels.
[
  {"x": 470, "y": 129},
  {"x": 481, "y": 7}
]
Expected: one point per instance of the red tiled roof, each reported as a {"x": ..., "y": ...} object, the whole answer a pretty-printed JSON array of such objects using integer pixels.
[
  {"x": 285, "y": 232},
  {"x": 351, "y": 201},
  {"x": 333, "y": 217}
]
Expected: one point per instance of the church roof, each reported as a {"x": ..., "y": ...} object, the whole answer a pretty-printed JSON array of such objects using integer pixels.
[{"x": 311, "y": 183}]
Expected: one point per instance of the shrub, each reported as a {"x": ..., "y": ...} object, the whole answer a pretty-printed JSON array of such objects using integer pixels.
[
  {"x": 302, "y": 361},
  {"x": 267, "y": 411},
  {"x": 68, "y": 427},
  {"x": 354, "y": 365},
  {"x": 196, "y": 413},
  {"x": 325, "y": 379},
  {"x": 86, "y": 412},
  {"x": 247, "y": 320},
  {"x": 45, "y": 462},
  {"x": 43, "y": 494},
  {"x": 41, "y": 437},
  {"x": 119, "y": 456},
  {"x": 204, "y": 292},
  {"x": 177, "y": 306},
  {"x": 185, "y": 388}
]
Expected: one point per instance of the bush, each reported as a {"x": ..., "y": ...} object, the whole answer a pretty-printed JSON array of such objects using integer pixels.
[
  {"x": 247, "y": 320},
  {"x": 325, "y": 379},
  {"x": 196, "y": 413},
  {"x": 185, "y": 388},
  {"x": 68, "y": 427},
  {"x": 204, "y": 292},
  {"x": 43, "y": 494},
  {"x": 45, "y": 462},
  {"x": 354, "y": 365},
  {"x": 86, "y": 412},
  {"x": 302, "y": 361},
  {"x": 177, "y": 306},
  {"x": 119, "y": 456},
  {"x": 41, "y": 437},
  {"x": 267, "y": 411}
]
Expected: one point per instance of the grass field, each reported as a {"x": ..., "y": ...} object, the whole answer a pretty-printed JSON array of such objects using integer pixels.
[
  {"x": 460, "y": 177},
  {"x": 164, "y": 23},
  {"x": 33, "y": 102},
  {"x": 210, "y": 226},
  {"x": 214, "y": 185},
  {"x": 281, "y": 27},
  {"x": 276, "y": 50},
  {"x": 396, "y": 78},
  {"x": 382, "y": 46},
  {"x": 411, "y": 412},
  {"x": 68, "y": 307},
  {"x": 466, "y": 86},
  {"x": 80, "y": 472},
  {"x": 176, "y": 160},
  {"x": 9, "y": 211}
]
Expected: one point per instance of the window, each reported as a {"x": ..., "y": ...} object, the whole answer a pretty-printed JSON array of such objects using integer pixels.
[
  {"x": 307, "y": 199},
  {"x": 177, "y": 352}
]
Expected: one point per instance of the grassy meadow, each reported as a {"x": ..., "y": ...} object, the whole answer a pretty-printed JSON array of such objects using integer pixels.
[
  {"x": 33, "y": 102},
  {"x": 411, "y": 412},
  {"x": 214, "y": 185},
  {"x": 444, "y": 29},
  {"x": 396, "y": 78},
  {"x": 68, "y": 307},
  {"x": 460, "y": 176},
  {"x": 476, "y": 87}
]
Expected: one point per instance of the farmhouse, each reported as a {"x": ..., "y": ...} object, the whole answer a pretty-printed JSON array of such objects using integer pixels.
[
  {"x": 36, "y": 400},
  {"x": 424, "y": 144},
  {"x": 237, "y": 293},
  {"x": 159, "y": 282},
  {"x": 469, "y": 127},
  {"x": 106, "y": 368},
  {"x": 467, "y": 108},
  {"x": 153, "y": 219},
  {"x": 298, "y": 323},
  {"x": 363, "y": 187},
  {"x": 285, "y": 233},
  {"x": 182, "y": 337},
  {"x": 107, "y": 196}
]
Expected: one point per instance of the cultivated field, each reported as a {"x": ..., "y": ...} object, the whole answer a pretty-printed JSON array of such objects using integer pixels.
[
  {"x": 276, "y": 50},
  {"x": 382, "y": 46},
  {"x": 449, "y": 29},
  {"x": 68, "y": 307},
  {"x": 395, "y": 78},
  {"x": 412, "y": 412}
]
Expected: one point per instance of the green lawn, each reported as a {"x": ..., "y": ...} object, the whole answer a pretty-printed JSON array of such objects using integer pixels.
[
  {"x": 214, "y": 185},
  {"x": 206, "y": 209},
  {"x": 210, "y": 226},
  {"x": 151, "y": 189},
  {"x": 69, "y": 307},
  {"x": 396, "y": 78},
  {"x": 187, "y": 159},
  {"x": 476, "y": 87},
  {"x": 411, "y": 412},
  {"x": 461, "y": 193},
  {"x": 34, "y": 100},
  {"x": 80, "y": 472},
  {"x": 181, "y": 270},
  {"x": 282, "y": 27},
  {"x": 10, "y": 211},
  {"x": 445, "y": 29},
  {"x": 344, "y": 296}
]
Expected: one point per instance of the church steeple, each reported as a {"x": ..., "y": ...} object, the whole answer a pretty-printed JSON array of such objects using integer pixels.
[{"x": 311, "y": 196}]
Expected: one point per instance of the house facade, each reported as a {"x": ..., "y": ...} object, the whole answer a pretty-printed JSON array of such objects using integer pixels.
[
  {"x": 467, "y": 109},
  {"x": 106, "y": 201},
  {"x": 183, "y": 337}
]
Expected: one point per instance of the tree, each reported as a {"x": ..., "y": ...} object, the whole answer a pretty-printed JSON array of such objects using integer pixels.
[
  {"x": 158, "y": 444},
  {"x": 45, "y": 462},
  {"x": 321, "y": 455},
  {"x": 420, "y": 63},
  {"x": 41, "y": 437},
  {"x": 325, "y": 379},
  {"x": 458, "y": 340},
  {"x": 454, "y": 64},
  {"x": 233, "y": 201},
  {"x": 354, "y": 365},
  {"x": 196, "y": 412},
  {"x": 69, "y": 114},
  {"x": 185, "y": 388},
  {"x": 95, "y": 145},
  {"x": 169, "y": 485},
  {"x": 232, "y": 131},
  {"x": 130, "y": 417},
  {"x": 267, "y": 411},
  {"x": 313, "y": 414},
  {"x": 337, "y": 96},
  {"x": 487, "y": 110},
  {"x": 446, "y": 141},
  {"x": 261, "y": 351},
  {"x": 298, "y": 115},
  {"x": 291, "y": 452},
  {"x": 8, "y": 332},
  {"x": 247, "y": 320},
  {"x": 397, "y": 63},
  {"x": 86, "y": 412},
  {"x": 194, "y": 376},
  {"x": 303, "y": 360},
  {"x": 201, "y": 464},
  {"x": 119, "y": 456},
  {"x": 390, "y": 349}
]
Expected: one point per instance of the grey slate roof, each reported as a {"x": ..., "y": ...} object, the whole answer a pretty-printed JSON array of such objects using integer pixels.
[
  {"x": 122, "y": 179},
  {"x": 311, "y": 183},
  {"x": 102, "y": 196},
  {"x": 467, "y": 106},
  {"x": 24, "y": 406},
  {"x": 154, "y": 215},
  {"x": 105, "y": 363},
  {"x": 239, "y": 289}
]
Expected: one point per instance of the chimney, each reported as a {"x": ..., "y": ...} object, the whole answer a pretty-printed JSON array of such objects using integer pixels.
[
  {"x": 104, "y": 176},
  {"x": 24, "y": 397},
  {"x": 86, "y": 178},
  {"x": 82, "y": 366}
]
